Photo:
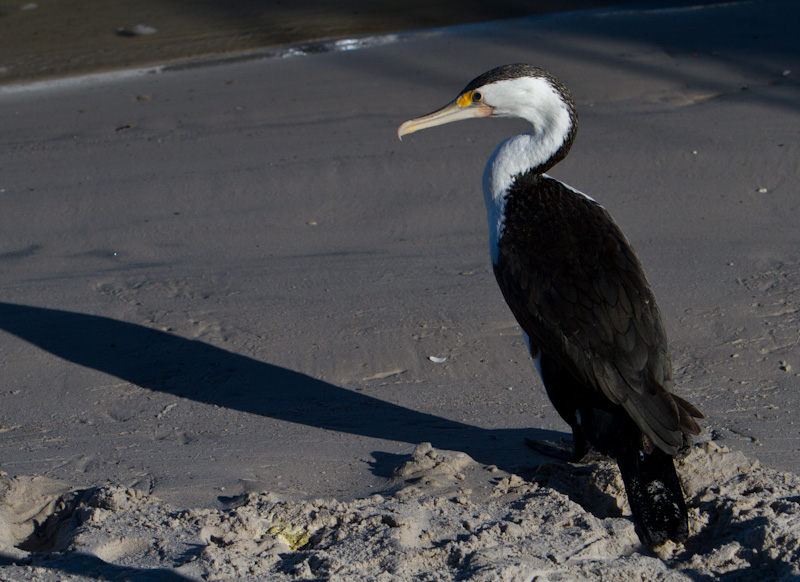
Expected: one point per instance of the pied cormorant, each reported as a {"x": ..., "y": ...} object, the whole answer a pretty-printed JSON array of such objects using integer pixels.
[{"x": 578, "y": 291}]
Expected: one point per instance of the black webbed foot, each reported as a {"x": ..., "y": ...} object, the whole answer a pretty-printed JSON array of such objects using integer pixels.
[
  {"x": 577, "y": 451},
  {"x": 562, "y": 450}
]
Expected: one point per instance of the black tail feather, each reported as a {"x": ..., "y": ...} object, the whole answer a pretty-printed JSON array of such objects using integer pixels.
[{"x": 655, "y": 496}]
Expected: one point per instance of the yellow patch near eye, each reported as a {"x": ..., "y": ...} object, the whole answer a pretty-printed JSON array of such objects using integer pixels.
[{"x": 465, "y": 100}]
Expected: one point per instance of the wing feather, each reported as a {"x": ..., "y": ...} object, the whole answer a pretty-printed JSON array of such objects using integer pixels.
[{"x": 578, "y": 290}]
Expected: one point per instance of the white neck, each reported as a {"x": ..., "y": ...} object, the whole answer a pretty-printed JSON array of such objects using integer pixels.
[
  {"x": 512, "y": 157},
  {"x": 536, "y": 100}
]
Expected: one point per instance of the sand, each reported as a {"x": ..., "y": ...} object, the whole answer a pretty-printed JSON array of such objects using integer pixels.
[
  {"x": 570, "y": 523},
  {"x": 56, "y": 38},
  {"x": 235, "y": 307}
]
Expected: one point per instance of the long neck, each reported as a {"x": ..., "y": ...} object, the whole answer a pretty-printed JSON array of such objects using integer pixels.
[{"x": 534, "y": 152}]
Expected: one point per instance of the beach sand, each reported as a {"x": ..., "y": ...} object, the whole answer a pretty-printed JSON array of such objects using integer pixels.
[
  {"x": 55, "y": 38},
  {"x": 236, "y": 308}
]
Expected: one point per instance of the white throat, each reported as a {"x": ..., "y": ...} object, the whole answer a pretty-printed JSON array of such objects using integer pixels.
[{"x": 535, "y": 100}]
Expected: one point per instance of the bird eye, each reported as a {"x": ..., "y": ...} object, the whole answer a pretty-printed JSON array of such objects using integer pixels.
[{"x": 477, "y": 97}]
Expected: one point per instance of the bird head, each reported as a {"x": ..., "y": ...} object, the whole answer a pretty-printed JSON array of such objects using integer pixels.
[{"x": 521, "y": 91}]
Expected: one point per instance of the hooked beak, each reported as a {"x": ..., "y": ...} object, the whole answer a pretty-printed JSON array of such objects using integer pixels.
[{"x": 454, "y": 111}]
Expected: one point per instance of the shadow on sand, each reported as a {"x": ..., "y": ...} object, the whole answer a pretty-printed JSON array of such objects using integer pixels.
[{"x": 201, "y": 372}]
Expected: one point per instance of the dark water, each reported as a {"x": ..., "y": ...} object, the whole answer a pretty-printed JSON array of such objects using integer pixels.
[{"x": 53, "y": 38}]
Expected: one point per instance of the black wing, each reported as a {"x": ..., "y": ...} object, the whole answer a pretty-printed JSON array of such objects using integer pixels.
[{"x": 578, "y": 290}]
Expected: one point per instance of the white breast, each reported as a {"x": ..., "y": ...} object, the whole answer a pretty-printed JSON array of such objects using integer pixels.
[{"x": 497, "y": 178}]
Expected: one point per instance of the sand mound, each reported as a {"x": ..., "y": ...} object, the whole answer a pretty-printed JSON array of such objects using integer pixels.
[
  {"x": 25, "y": 501},
  {"x": 571, "y": 524}
]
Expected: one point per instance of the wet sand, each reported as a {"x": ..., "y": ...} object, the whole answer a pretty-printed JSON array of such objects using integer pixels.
[{"x": 53, "y": 38}]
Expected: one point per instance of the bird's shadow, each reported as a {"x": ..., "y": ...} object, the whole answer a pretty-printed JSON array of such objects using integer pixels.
[
  {"x": 88, "y": 566},
  {"x": 195, "y": 370}
]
